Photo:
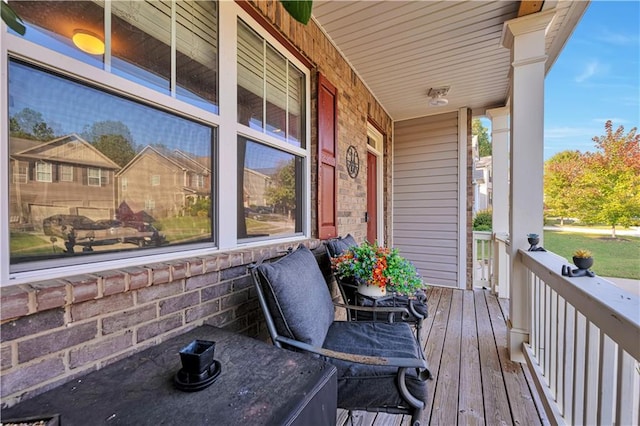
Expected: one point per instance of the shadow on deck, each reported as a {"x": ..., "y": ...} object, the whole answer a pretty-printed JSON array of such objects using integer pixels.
[{"x": 474, "y": 382}]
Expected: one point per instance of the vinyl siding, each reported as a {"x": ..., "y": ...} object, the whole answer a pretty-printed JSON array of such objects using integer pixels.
[{"x": 425, "y": 196}]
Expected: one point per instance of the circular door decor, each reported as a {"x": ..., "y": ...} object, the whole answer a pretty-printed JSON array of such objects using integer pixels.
[{"x": 353, "y": 162}]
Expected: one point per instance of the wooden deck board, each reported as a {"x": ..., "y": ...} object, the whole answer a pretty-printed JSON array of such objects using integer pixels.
[
  {"x": 474, "y": 382},
  {"x": 471, "y": 410}
]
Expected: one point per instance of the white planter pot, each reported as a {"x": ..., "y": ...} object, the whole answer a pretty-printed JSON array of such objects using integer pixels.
[{"x": 371, "y": 290}]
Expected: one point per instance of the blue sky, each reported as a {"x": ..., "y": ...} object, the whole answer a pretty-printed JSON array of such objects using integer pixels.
[{"x": 596, "y": 78}]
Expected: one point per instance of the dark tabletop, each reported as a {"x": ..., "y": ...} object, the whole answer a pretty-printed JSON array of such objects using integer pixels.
[{"x": 258, "y": 384}]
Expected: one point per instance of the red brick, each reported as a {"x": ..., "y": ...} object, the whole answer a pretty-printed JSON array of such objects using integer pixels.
[
  {"x": 200, "y": 281},
  {"x": 224, "y": 262},
  {"x": 232, "y": 273},
  {"x": 14, "y": 301},
  {"x": 178, "y": 270},
  {"x": 102, "y": 306},
  {"x": 234, "y": 299},
  {"x": 235, "y": 259},
  {"x": 154, "y": 329},
  {"x": 19, "y": 379},
  {"x": 202, "y": 311},
  {"x": 158, "y": 292},
  {"x": 102, "y": 349},
  {"x": 211, "y": 263},
  {"x": 113, "y": 282},
  {"x": 128, "y": 319},
  {"x": 138, "y": 277},
  {"x": 56, "y": 341},
  {"x": 159, "y": 273},
  {"x": 178, "y": 303},
  {"x": 83, "y": 287},
  {"x": 50, "y": 294},
  {"x": 196, "y": 267}
]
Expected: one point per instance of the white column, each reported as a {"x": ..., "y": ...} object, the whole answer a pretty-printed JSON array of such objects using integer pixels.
[
  {"x": 500, "y": 189},
  {"x": 525, "y": 37}
]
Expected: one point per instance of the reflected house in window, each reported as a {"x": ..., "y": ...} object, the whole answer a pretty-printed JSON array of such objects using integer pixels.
[
  {"x": 255, "y": 188},
  {"x": 66, "y": 175},
  {"x": 163, "y": 182}
]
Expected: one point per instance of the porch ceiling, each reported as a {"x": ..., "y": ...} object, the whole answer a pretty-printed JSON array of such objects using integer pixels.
[{"x": 401, "y": 49}]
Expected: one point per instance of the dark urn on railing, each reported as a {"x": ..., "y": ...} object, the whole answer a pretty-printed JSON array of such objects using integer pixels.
[
  {"x": 582, "y": 259},
  {"x": 533, "y": 239}
]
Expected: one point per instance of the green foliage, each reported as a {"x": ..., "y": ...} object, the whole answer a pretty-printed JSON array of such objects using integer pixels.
[
  {"x": 562, "y": 176},
  {"x": 300, "y": 10},
  {"x": 379, "y": 266},
  {"x": 11, "y": 18},
  {"x": 29, "y": 124},
  {"x": 282, "y": 194},
  {"x": 113, "y": 139},
  {"x": 610, "y": 186},
  {"x": 200, "y": 207},
  {"x": 483, "y": 221},
  {"x": 484, "y": 144}
]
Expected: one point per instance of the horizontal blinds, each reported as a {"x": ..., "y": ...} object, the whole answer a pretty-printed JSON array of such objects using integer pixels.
[{"x": 250, "y": 60}]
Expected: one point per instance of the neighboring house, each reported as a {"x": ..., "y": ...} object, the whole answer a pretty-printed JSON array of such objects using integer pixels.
[
  {"x": 255, "y": 188},
  {"x": 482, "y": 184},
  {"x": 63, "y": 176},
  {"x": 163, "y": 182}
]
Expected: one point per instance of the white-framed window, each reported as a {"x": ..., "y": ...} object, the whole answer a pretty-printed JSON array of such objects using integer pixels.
[
  {"x": 20, "y": 172},
  {"x": 66, "y": 173},
  {"x": 44, "y": 172},
  {"x": 149, "y": 108},
  {"x": 93, "y": 176},
  {"x": 155, "y": 180}
]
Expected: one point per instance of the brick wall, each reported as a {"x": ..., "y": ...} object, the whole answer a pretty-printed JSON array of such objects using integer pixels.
[{"x": 54, "y": 331}]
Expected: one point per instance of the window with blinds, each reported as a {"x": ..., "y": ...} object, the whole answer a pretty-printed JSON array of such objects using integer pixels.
[
  {"x": 182, "y": 63},
  {"x": 270, "y": 89}
]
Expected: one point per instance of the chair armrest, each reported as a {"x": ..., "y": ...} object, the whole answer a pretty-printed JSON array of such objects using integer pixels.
[
  {"x": 360, "y": 359},
  {"x": 376, "y": 309}
]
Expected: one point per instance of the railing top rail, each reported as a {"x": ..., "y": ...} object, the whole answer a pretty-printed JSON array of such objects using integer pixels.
[
  {"x": 613, "y": 310},
  {"x": 482, "y": 235}
]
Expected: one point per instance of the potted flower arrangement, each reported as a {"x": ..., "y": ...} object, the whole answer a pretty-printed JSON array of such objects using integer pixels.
[{"x": 377, "y": 269}]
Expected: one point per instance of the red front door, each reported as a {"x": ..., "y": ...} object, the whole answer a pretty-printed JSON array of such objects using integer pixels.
[{"x": 372, "y": 197}]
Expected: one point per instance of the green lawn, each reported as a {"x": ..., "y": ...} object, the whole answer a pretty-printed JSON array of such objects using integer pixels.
[{"x": 612, "y": 257}]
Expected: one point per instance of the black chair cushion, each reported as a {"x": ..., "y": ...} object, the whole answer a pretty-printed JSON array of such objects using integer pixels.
[
  {"x": 361, "y": 386},
  {"x": 306, "y": 312}
]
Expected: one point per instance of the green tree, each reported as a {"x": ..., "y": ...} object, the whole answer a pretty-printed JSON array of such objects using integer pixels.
[
  {"x": 484, "y": 144},
  {"x": 29, "y": 124},
  {"x": 562, "y": 178},
  {"x": 610, "y": 188},
  {"x": 113, "y": 139},
  {"x": 282, "y": 194}
]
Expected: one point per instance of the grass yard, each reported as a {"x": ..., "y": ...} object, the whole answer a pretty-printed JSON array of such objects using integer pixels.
[{"x": 612, "y": 257}]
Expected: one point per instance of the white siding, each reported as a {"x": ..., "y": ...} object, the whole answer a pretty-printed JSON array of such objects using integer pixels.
[{"x": 425, "y": 196}]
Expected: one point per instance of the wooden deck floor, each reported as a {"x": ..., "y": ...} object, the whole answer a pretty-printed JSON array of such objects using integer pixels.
[{"x": 475, "y": 383}]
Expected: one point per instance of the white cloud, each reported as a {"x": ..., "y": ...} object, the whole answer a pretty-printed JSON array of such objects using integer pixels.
[
  {"x": 592, "y": 68},
  {"x": 619, "y": 39},
  {"x": 567, "y": 132}
]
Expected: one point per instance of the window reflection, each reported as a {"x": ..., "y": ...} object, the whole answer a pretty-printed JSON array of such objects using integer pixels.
[
  {"x": 269, "y": 191},
  {"x": 94, "y": 172}
]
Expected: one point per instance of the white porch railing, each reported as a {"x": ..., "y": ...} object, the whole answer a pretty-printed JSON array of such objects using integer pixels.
[
  {"x": 501, "y": 278},
  {"x": 482, "y": 259},
  {"x": 584, "y": 345}
]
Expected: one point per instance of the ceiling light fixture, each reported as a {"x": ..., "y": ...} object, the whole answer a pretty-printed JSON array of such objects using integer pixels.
[
  {"x": 437, "y": 96},
  {"x": 88, "y": 42}
]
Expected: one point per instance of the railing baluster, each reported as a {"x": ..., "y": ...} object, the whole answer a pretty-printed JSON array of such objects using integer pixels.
[
  {"x": 628, "y": 390},
  {"x": 606, "y": 369},
  {"x": 579, "y": 367},
  {"x": 591, "y": 374},
  {"x": 561, "y": 352},
  {"x": 553, "y": 344}
]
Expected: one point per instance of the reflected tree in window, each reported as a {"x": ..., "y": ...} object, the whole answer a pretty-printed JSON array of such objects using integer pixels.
[
  {"x": 282, "y": 195},
  {"x": 113, "y": 139},
  {"x": 29, "y": 124}
]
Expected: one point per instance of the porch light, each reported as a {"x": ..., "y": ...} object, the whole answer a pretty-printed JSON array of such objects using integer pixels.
[
  {"x": 88, "y": 42},
  {"x": 438, "y": 96}
]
